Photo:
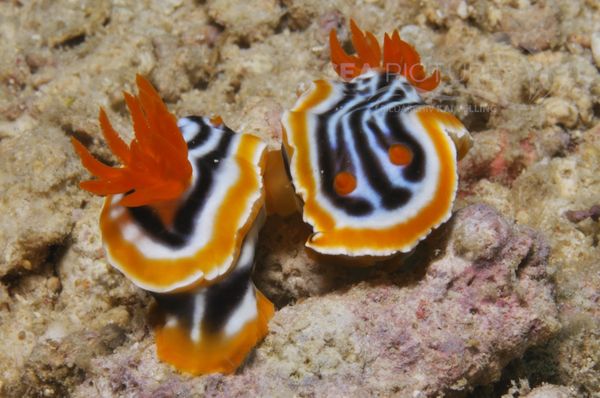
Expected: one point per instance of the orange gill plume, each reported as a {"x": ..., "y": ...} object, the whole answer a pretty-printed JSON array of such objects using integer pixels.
[
  {"x": 398, "y": 57},
  {"x": 155, "y": 166}
]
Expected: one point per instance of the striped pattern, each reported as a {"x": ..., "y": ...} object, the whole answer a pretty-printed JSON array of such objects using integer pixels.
[
  {"x": 369, "y": 128},
  {"x": 196, "y": 253},
  {"x": 212, "y": 329},
  {"x": 195, "y": 239}
]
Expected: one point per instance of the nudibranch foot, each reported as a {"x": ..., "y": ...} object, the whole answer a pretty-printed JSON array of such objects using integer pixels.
[
  {"x": 280, "y": 198},
  {"x": 453, "y": 128},
  {"x": 200, "y": 349},
  {"x": 375, "y": 167}
]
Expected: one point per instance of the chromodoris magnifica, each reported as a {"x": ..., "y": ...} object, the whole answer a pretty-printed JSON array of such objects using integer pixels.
[
  {"x": 181, "y": 219},
  {"x": 375, "y": 167}
]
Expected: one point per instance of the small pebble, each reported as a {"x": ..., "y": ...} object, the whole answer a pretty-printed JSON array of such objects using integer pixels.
[
  {"x": 27, "y": 265},
  {"x": 595, "y": 45},
  {"x": 53, "y": 284},
  {"x": 559, "y": 110},
  {"x": 462, "y": 10}
]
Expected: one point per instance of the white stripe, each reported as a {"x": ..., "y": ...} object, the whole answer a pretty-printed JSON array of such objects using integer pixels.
[
  {"x": 188, "y": 128},
  {"x": 199, "y": 303},
  {"x": 243, "y": 314}
]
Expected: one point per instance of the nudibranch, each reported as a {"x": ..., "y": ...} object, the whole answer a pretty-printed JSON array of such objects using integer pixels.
[
  {"x": 181, "y": 219},
  {"x": 375, "y": 167}
]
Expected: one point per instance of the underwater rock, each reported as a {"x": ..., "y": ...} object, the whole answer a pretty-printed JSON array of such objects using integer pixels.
[
  {"x": 448, "y": 327},
  {"x": 54, "y": 367},
  {"x": 533, "y": 28},
  {"x": 455, "y": 328},
  {"x": 248, "y": 20},
  {"x": 38, "y": 197},
  {"x": 552, "y": 391}
]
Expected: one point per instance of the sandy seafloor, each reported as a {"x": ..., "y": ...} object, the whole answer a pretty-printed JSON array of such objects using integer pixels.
[{"x": 522, "y": 75}]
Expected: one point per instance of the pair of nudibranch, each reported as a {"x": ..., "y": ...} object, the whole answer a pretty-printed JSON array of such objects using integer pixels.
[{"x": 373, "y": 167}]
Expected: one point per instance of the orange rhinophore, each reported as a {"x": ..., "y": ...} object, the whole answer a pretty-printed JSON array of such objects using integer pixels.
[
  {"x": 155, "y": 165},
  {"x": 398, "y": 57}
]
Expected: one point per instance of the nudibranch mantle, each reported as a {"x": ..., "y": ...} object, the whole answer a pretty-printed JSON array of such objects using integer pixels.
[
  {"x": 375, "y": 167},
  {"x": 209, "y": 221}
]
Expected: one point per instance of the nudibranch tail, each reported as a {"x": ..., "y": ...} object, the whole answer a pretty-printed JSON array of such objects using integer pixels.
[
  {"x": 280, "y": 198},
  {"x": 213, "y": 328},
  {"x": 198, "y": 349},
  {"x": 155, "y": 166},
  {"x": 398, "y": 57}
]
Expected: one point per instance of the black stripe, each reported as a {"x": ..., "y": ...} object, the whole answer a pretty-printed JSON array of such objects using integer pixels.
[
  {"x": 207, "y": 167},
  {"x": 286, "y": 164},
  {"x": 147, "y": 218},
  {"x": 415, "y": 171},
  {"x": 391, "y": 197},
  {"x": 180, "y": 305},
  {"x": 223, "y": 298},
  {"x": 329, "y": 165},
  {"x": 178, "y": 234},
  {"x": 202, "y": 136},
  {"x": 331, "y": 162},
  {"x": 384, "y": 81}
]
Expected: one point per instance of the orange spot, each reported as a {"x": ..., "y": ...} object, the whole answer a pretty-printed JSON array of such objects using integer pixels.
[
  {"x": 400, "y": 155},
  {"x": 344, "y": 183},
  {"x": 155, "y": 164},
  {"x": 166, "y": 211},
  {"x": 398, "y": 57},
  {"x": 216, "y": 120}
]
